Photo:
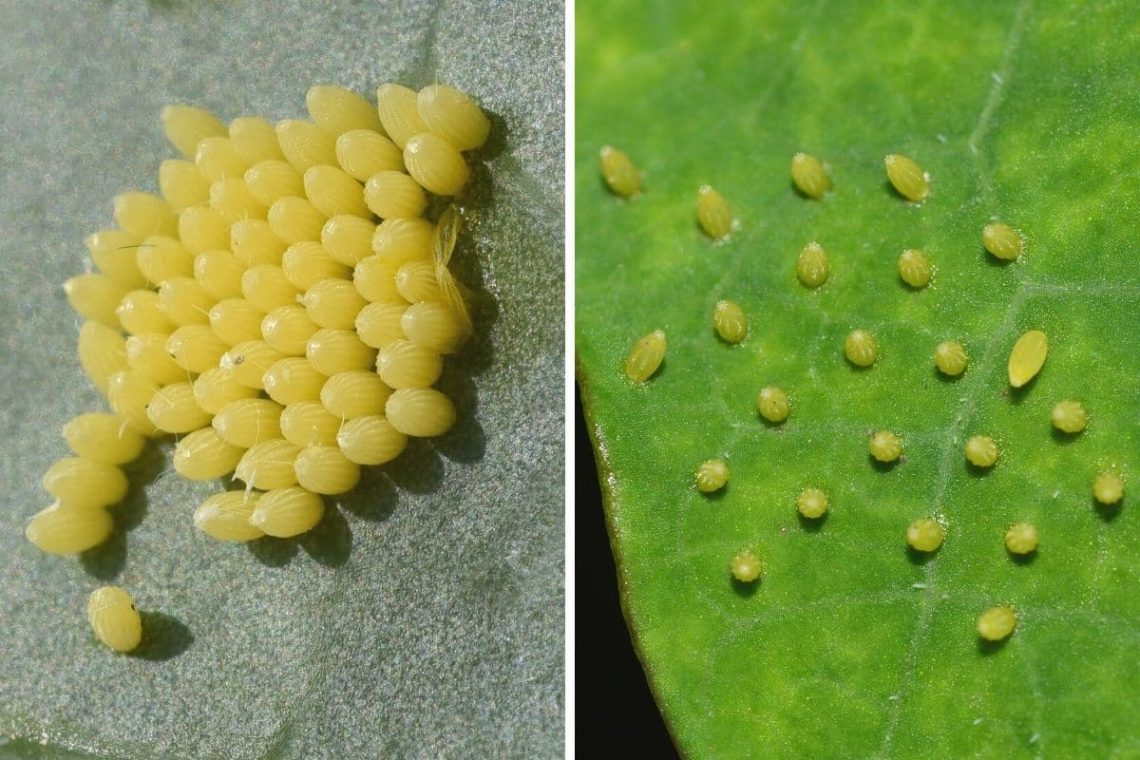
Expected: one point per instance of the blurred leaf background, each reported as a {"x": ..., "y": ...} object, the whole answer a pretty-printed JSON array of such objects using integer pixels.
[{"x": 424, "y": 616}]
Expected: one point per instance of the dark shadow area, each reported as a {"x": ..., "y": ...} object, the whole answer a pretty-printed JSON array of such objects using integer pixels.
[
  {"x": 915, "y": 557},
  {"x": 948, "y": 379},
  {"x": 776, "y": 426},
  {"x": 373, "y": 499},
  {"x": 987, "y": 648},
  {"x": 716, "y": 495},
  {"x": 330, "y": 540},
  {"x": 105, "y": 561},
  {"x": 977, "y": 472},
  {"x": 812, "y": 524},
  {"x": 884, "y": 466},
  {"x": 465, "y": 442},
  {"x": 746, "y": 590},
  {"x": 1023, "y": 559},
  {"x": 419, "y": 469},
  {"x": 273, "y": 552},
  {"x": 1017, "y": 395},
  {"x": 994, "y": 261},
  {"x": 1108, "y": 512},
  {"x": 497, "y": 141},
  {"x": 164, "y": 637},
  {"x": 1060, "y": 436},
  {"x": 612, "y": 697}
]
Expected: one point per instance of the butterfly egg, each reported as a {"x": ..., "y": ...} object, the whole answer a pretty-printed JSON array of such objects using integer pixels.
[
  {"x": 394, "y": 195},
  {"x": 399, "y": 113},
  {"x": 217, "y": 159},
  {"x": 96, "y": 297},
  {"x": 380, "y": 324},
  {"x": 711, "y": 475},
  {"x": 403, "y": 364},
  {"x": 270, "y": 181},
  {"x": 233, "y": 200},
  {"x": 204, "y": 455},
  {"x": 333, "y": 303},
  {"x": 175, "y": 410},
  {"x": 247, "y": 422},
  {"x": 201, "y": 228},
  {"x": 347, "y": 239},
  {"x": 398, "y": 241},
  {"x": 295, "y": 219},
  {"x": 746, "y": 567},
  {"x": 249, "y": 361},
  {"x": 730, "y": 322},
  {"x": 129, "y": 393},
  {"x": 268, "y": 465},
  {"x": 981, "y": 451},
  {"x": 433, "y": 325},
  {"x": 325, "y": 470},
  {"x": 1002, "y": 241},
  {"x": 885, "y": 446},
  {"x": 950, "y": 358},
  {"x": 375, "y": 280},
  {"x": 337, "y": 110},
  {"x": 331, "y": 351},
  {"x": 103, "y": 437},
  {"x": 925, "y": 535},
  {"x": 1027, "y": 357},
  {"x": 113, "y": 252},
  {"x": 139, "y": 313},
  {"x": 293, "y": 379},
  {"x": 216, "y": 388},
  {"x": 773, "y": 404},
  {"x": 162, "y": 258},
  {"x": 288, "y": 329},
  {"x": 255, "y": 140},
  {"x": 185, "y": 301},
  {"x": 195, "y": 348},
  {"x": 61, "y": 529},
  {"x": 114, "y": 618},
  {"x": 306, "y": 145},
  {"x": 713, "y": 213},
  {"x": 333, "y": 192},
  {"x": 453, "y": 116},
  {"x": 144, "y": 214},
  {"x": 186, "y": 126},
  {"x": 907, "y": 177},
  {"x": 1021, "y": 538},
  {"x": 861, "y": 348},
  {"x": 416, "y": 281},
  {"x": 147, "y": 355},
  {"x": 356, "y": 393},
  {"x": 219, "y": 273},
  {"x": 308, "y": 423},
  {"x": 812, "y": 266},
  {"x": 645, "y": 357},
  {"x": 225, "y": 516},
  {"x": 254, "y": 242},
  {"x": 812, "y": 503},
  {"x": 82, "y": 483},
  {"x": 287, "y": 512},
  {"x": 436, "y": 164},
  {"x": 915, "y": 268},
  {"x": 997, "y": 623},
  {"x": 236, "y": 320},
  {"x": 364, "y": 152},
  {"x": 266, "y": 287},
  {"x": 370, "y": 440},
  {"x": 102, "y": 353},
  {"x": 307, "y": 263},
  {"x": 1070, "y": 416},
  {"x": 182, "y": 185},
  {"x": 619, "y": 171},
  {"x": 420, "y": 412},
  {"x": 810, "y": 176},
  {"x": 1108, "y": 488}
]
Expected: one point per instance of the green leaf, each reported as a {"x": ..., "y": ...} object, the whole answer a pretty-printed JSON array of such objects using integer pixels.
[
  {"x": 850, "y": 646},
  {"x": 424, "y": 616}
]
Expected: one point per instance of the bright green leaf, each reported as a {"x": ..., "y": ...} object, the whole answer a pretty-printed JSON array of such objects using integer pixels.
[
  {"x": 850, "y": 647},
  {"x": 423, "y": 618}
]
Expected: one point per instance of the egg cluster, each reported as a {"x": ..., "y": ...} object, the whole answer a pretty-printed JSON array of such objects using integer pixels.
[
  {"x": 861, "y": 349},
  {"x": 283, "y": 308}
]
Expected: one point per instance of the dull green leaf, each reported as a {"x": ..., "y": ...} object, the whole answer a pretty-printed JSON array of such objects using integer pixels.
[
  {"x": 423, "y": 617},
  {"x": 850, "y": 646}
]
